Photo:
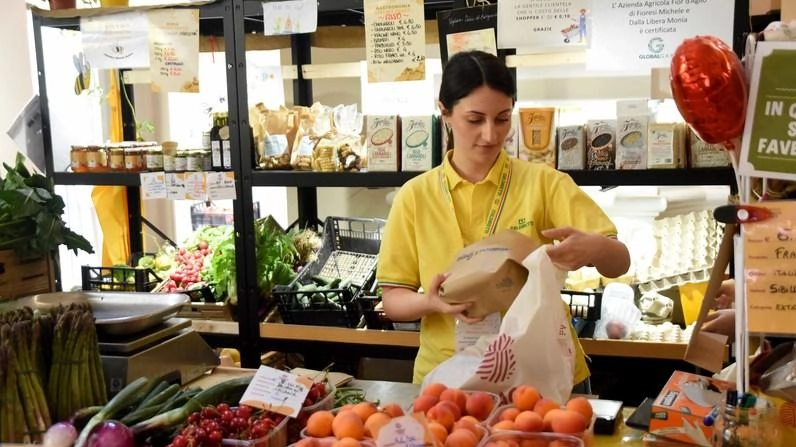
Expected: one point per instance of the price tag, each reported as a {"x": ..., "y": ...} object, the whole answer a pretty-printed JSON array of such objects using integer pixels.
[
  {"x": 221, "y": 185},
  {"x": 175, "y": 185},
  {"x": 277, "y": 391},
  {"x": 174, "y": 50},
  {"x": 153, "y": 185},
  {"x": 404, "y": 431},
  {"x": 195, "y": 186},
  {"x": 770, "y": 270}
]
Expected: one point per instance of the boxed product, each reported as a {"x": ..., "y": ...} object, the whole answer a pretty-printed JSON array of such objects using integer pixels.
[
  {"x": 383, "y": 142},
  {"x": 489, "y": 273},
  {"x": 631, "y": 134},
  {"x": 571, "y": 148},
  {"x": 537, "y": 135},
  {"x": 679, "y": 411},
  {"x": 512, "y": 143},
  {"x": 665, "y": 145},
  {"x": 417, "y": 143},
  {"x": 601, "y": 145},
  {"x": 705, "y": 155}
]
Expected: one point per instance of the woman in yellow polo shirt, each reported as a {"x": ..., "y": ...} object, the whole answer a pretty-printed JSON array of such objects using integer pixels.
[{"x": 476, "y": 191}]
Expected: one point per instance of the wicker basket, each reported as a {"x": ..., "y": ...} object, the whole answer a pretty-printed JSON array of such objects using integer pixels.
[{"x": 24, "y": 278}]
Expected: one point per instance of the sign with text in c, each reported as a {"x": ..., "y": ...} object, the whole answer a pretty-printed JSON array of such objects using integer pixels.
[
  {"x": 768, "y": 148},
  {"x": 770, "y": 270}
]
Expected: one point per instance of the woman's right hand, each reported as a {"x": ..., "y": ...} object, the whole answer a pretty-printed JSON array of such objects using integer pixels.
[
  {"x": 438, "y": 305},
  {"x": 725, "y": 296}
]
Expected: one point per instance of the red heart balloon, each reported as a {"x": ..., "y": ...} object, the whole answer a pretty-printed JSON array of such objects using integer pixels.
[{"x": 709, "y": 88}]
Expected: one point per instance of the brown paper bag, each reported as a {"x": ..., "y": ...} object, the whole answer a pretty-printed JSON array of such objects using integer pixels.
[
  {"x": 489, "y": 273},
  {"x": 705, "y": 349}
]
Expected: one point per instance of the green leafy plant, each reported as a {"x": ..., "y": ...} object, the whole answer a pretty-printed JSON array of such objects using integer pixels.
[{"x": 31, "y": 213}]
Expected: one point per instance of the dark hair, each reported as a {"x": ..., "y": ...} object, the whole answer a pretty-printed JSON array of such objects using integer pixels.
[{"x": 468, "y": 70}]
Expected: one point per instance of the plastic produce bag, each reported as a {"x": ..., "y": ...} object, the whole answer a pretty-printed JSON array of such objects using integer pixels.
[{"x": 534, "y": 345}]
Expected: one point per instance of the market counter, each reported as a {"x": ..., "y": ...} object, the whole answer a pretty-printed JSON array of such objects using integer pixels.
[
  {"x": 404, "y": 393},
  {"x": 278, "y": 333}
]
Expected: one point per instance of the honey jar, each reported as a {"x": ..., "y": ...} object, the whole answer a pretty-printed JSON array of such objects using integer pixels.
[
  {"x": 133, "y": 159},
  {"x": 116, "y": 158},
  {"x": 154, "y": 158},
  {"x": 77, "y": 157},
  {"x": 95, "y": 159}
]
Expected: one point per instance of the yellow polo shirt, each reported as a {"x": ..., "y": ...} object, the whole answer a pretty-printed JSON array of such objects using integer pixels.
[{"x": 423, "y": 233}]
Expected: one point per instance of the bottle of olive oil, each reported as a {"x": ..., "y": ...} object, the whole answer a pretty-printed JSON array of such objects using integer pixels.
[{"x": 217, "y": 160}]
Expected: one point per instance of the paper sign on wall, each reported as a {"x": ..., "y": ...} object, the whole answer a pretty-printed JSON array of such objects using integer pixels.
[
  {"x": 628, "y": 35},
  {"x": 116, "y": 40},
  {"x": 543, "y": 24},
  {"x": 174, "y": 50},
  {"x": 395, "y": 40},
  {"x": 467, "y": 29},
  {"x": 277, "y": 391},
  {"x": 768, "y": 148},
  {"x": 290, "y": 17},
  {"x": 770, "y": 270}
]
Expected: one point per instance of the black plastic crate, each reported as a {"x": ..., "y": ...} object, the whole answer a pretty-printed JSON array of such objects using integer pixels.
[
  {"x": 357, "y": 235},
  {"x": 125, "y": 279},
  {"x": 349, "y": 252},
  {"x": 376, "y": 319},
  {"x": 583, "y": 305}
]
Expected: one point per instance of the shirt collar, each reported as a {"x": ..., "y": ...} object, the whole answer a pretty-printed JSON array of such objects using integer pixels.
[{"x": 454, "y": 179}]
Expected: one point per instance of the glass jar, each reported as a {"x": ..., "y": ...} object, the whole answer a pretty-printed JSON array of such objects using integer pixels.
[
  {"x": 133, "y": 159},
  {"x": 205, "y": 164},
  {"x": 192, "y": 161},
  {"x": 116, "y": 158},
  {"x": 181, "y": 161},
  {"x": 169, "y": 153},
  {"x": 77, "y": 157},
  {"x": 95, "y": 160},
  {"x": 154, "y": 158}
]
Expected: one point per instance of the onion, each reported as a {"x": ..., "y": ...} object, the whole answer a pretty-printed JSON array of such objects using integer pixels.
[
  {"x": 111, "y": 433},
  {"x": 60, "y": 434}
]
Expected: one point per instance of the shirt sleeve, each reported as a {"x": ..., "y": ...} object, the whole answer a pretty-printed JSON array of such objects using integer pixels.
[
  {"x": 398, "y": 264},
  {"x": 570, "y": 206}
]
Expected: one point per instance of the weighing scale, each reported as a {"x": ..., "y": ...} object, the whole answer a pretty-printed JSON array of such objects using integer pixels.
[{"x": 170, "y": 351}]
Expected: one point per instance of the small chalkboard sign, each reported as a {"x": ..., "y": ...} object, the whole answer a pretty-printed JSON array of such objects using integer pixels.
[{"x": 473, "y": 28}]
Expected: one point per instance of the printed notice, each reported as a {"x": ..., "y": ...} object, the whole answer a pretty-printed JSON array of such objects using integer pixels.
[
  {"x": 395, "y": 40},
  {"x": 640, "y": 35},
  {"x": 175, "y": 185},
  {"x": 116, "y": 40},
  {"x": 467, "y": 29},
  {"x": 404, "y": 431},
  {"x": 768, "y": 148},
  {"x": 174, "y": 50},
  {"x": 543, "y": 23},
  {"x": 195, "y": 186},
  {"x": 290, "y": 17},
  {"x": 770, "y": 270},
  {"x": 220, "y": 185},
  {"x": 153, "y": 185},
  {"x": 277, "y": 391}
]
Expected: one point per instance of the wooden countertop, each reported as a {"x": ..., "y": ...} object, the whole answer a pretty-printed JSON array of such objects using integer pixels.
[{"x": 279, "y": 331}]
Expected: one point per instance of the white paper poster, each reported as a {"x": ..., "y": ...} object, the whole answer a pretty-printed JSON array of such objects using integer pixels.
[
  {"x": 174, "y": 50},
  {"x": 265, "y": 84},
  {"x": 543, "y": 23},
  {"x": 116, "y": 40},
  {"x": 395, "y": 40},
  {"x": 640, "y": 35},
  {"x": 290, "y": 17}
]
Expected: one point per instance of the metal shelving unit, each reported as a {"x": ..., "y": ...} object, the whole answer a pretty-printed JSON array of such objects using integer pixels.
[{"x": 233, "y": 19}]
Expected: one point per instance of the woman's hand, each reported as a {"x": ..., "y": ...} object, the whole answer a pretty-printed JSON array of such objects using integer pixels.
[
  {"x": 725, "y": 296},
  {"x": 402, "y": 304},
  {"x": 577, "y": 249},
  {"x": 721, "y": 322},
  {"x": 440, "y": 306}
]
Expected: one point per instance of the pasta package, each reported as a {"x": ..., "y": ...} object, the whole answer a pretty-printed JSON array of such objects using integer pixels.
[
  {"x": 280, "y": 130},
  {"x": 537, "y": 135},
  {"x": 601, "y": 145}
]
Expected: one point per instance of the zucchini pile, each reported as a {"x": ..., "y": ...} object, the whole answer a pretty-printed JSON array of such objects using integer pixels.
[{"x": 324, "y": 293}]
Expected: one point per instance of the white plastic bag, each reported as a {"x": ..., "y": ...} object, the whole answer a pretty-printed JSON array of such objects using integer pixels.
[{"x": 534, "y": 346}]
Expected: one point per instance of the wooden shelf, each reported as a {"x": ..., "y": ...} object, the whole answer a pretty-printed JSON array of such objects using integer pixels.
[
  {"x": 404, "y": 339},
  {"x": 646, "y": 177}
]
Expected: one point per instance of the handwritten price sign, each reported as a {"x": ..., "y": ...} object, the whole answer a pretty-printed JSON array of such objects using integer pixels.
[{"x": 770, "y": 270}]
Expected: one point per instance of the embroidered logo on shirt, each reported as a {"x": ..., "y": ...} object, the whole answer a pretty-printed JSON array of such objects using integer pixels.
[
  {"x": 499, "y": 361},
  {"x": 521, "y": 224}
]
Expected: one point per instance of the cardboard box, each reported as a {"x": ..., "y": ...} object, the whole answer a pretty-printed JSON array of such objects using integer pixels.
[
  {"x": 679, "y": 411},
  {"x": 489, "y": 273}
]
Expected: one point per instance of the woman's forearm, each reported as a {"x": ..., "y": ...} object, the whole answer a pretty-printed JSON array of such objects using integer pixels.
[
  {"x": 613, "y": 260},
  {"x": 401, "y": 304}
]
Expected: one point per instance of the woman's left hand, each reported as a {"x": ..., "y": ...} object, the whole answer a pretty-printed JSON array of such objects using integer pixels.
[{"x": 575, "y": 248}]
